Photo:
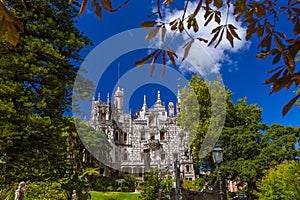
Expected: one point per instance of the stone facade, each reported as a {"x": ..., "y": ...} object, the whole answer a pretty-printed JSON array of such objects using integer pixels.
[{"x": 150, "y": 139}]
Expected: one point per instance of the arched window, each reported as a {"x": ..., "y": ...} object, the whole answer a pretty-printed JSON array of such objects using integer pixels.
[
  {"x": 162, "y": 135},
  {"x": 125, "y": 156},
  {"x": 187, "y": 167},
  {"x": 103, "y": 116},
  {"x": 125, "y": 137},
  {"x": 117, "y": 135},
  {"x": 143, "y": 135}
]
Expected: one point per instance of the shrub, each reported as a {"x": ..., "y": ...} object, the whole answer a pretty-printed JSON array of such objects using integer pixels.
[{"x": 45, "y": 190}]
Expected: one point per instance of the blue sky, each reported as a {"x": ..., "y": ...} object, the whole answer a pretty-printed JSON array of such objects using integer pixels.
[{"x": 242, "y": 72}]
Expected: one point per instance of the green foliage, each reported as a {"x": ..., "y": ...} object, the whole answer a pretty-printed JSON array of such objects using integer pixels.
[
  {"x": 130, "y": 183},
  {"x": 8, "y": 192},
  {"x": 250, "y": 146},
  {"x": 36, "y": 80},
  {"x": 280, "y": 182},
  {"x": 198, "y": 117},
  {"x": 101, "y": 183},
  {"x": 154, "y": 187},
  {"x": 74, "y": 180},
  {"x": 196, "y": 184},
  {"x": 46, "y": 190},
  {"x": 95, "y": 141}
]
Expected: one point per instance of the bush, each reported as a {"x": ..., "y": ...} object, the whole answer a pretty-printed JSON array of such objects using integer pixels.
[
  {"x": 102, "y": 183},
  {"x": 76, "y": 181},
  {"x": 8, "y": 192},
  {"x": 45, "y": 190}
]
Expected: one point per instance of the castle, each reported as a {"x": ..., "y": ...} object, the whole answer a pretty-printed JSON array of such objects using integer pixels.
[{"x": 151, "y": 139}]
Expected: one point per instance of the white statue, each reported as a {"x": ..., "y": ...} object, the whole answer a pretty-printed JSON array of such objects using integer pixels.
[{"x": 20, "y": 192}]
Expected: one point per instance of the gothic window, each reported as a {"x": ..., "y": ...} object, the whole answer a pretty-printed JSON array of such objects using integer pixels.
[
  {"x": 162, "y": 135},
  {"x": 125, "y": 137},
  {"x": 142, "y": 156},
  {"x": 101, "y": 171},
  {"x": 125, "y": 156},
  {"x": 140, "y": 172},
  {"x": 175, "y": 156},
  {"x": 187, "y": 168},
  {"x": 152, "y": 137},
  {"x": 117, "y": 156},
  {"x": 143, "y": 135},
  {"x": 163, "y": 156},
  {"x": 103, "y": 116},
  {"x": 126, "y": 170},
  {"x": 117, "y": 135}
]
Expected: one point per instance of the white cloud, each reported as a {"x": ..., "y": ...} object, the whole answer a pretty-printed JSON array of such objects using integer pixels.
[{"x": 206, "y": 59}]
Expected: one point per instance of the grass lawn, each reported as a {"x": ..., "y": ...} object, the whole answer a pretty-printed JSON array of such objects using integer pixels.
[{"x": 114, "y": 195}]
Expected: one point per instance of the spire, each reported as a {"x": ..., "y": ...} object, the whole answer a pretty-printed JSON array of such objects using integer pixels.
[
  {"x": 108, "y": 98},
  {"x": 145, "y": 107},
  {"x": 158, "y": 97},
  {"x": 178, "y": 93},
  {"x": 99, "y": 96},
  {"x": 145, "y": 103}
]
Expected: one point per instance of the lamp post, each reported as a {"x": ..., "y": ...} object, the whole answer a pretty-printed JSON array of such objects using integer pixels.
[
  {"x": 177, "y": 178},
  {"x": 217, "y": 155}
]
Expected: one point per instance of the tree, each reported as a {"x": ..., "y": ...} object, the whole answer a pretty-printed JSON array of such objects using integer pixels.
[
  {"x": 250, "y": 146},
  {"x": 154, "y": 187},
  {"x": 36, "y": 79},
  {"x": 202, "y": 109},
  {"x": 280, "y": 182}
]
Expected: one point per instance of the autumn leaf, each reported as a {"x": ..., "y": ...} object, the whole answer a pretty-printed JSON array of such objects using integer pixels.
[
  {"x": 233, "y": 32},
  {"x": 107, "y": 5},
  {"x": 229, "y": 37},
  {"x": 144, "y": 60},
  {"x": 274, "y": 77},
  {"x": 82, "y": 7},
  {"x": 152, "y": 33},
  {"x": 12, "y": 34},
  {"x": 187, "y": 48},
  {"x": 167, "y": 2},
  {"x": 148, "y": 24},
  {"x": 98, "y": 12},
  {"x": 152, "y": 65},
  {"x": 288, "y": 106},
  {"x": 218, "y": 3},
  {"x": 171, "y": 55}
]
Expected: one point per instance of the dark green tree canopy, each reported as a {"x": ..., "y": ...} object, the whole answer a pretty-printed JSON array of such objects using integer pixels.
[{"x": 36, "y": 80}]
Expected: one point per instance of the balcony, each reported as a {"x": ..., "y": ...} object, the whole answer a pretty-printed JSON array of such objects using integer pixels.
[{"x": 153, "y": 144}]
